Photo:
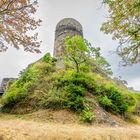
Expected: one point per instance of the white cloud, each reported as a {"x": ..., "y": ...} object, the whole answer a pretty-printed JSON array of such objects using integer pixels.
[
  {"x": 135, "y": 83},
  {"x": 90, "y": 14}
]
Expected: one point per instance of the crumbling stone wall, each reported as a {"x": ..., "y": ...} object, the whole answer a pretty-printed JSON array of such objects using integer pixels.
[
  {"x": 5, "y": 84},
  {"x": 66, "y": 27}
]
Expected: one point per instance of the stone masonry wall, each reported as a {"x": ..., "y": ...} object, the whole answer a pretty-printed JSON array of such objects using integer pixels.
[{"x": 66, "y": 27}]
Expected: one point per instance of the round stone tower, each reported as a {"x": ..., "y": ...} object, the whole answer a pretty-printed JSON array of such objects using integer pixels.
[{"x": 66, "y": 27}]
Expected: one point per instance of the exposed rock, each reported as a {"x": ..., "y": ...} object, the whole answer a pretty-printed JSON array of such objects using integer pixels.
[
  {"x": 1, "y": 91},
  {"x": 5, "y": 84}
]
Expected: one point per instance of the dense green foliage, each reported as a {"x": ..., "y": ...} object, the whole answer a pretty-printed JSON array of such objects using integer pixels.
[
  {"x": 28, "y": 80},
  {"x": 76, "y": 51},
  {"x": 44, "y": 85},
  {"x": 88, "y": 115},
  {"x": 124, "y": 24},
  {"x": 81, "y": 56}
]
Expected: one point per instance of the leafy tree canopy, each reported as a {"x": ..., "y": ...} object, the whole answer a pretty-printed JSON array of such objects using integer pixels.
[
  {"x": 76, "y": 51},
  {"x": 83, "y": 56},
  {"x": 15, "y": 21},
  {"x": 124, "y": 24}
]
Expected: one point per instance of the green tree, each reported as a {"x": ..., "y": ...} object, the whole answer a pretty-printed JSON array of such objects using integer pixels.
[
  {"x": 124, "y": 25},
  {"x": 80, "y": 53},
  {"x": 76, "y": 51}
]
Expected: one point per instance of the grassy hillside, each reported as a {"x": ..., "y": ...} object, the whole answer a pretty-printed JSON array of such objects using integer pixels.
[{"x": 44, "y": 85}]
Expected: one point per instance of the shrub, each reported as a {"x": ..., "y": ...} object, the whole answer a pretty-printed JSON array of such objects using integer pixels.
[
  {"x": 53, "y": 100},
  {"x": 75, "y": 102},
  {"x": 67, "y": 96},
  {"x": 105, "y": 102},
  {"x": 87, "y": 115},
  {"x": 110, "y": 98},
  {"x": 48, "y": 59},
  {"x": 21, "y": 89},
  {"x": 75, "y": 89},
  {"x": 74, "y": 97},
  {"x": 118, "y": 99},
  {"x": 14, "y": 95},
  {"x": 130, "y": 118},
  {"x": 113, "y": 100}
]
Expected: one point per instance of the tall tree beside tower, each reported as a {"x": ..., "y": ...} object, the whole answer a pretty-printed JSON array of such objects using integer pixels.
[{"x": 16, "y": 19}]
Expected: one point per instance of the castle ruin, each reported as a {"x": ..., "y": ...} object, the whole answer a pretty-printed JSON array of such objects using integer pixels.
[
  {"x": 66, "y": 27},
  {"x": 5, "y": 84}
]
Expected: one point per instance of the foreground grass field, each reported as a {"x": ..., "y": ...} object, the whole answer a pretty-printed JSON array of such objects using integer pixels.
[
  {"x": 29, "y": 130},
  {"x": 34, "y": 127}
]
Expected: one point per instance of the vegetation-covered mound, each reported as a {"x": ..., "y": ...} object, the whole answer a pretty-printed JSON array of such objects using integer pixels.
[{"x": 75, "y": 86}]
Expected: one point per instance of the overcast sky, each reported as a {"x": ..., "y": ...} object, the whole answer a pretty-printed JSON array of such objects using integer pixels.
[{"x": 91, "y": 14}]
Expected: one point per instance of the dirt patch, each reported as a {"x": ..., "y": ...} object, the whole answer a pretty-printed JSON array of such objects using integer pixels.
[
  {"x": 61, "y": 116},
  {"x": 103, "y": 117}
]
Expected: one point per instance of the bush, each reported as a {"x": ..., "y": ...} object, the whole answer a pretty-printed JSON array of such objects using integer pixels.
[
  {"x": 87, "y": 115},
  {"x": 14, "y": 95},
  {"x": 74, "y": 97},
  {"x": 67, "y": 90},
  {"x": 54, "y": 99},
  {"x": 118, "y": 99},
  {"x": 75, "y": 102},
  {"x": 68, "y": 96},
  {"x": 105, "y": 102},
  {"x": 130, "y": 118},
  {"x": 113, "y": 100},
  {"x": 73, "y": 89},
  {"x": 110, "y": 98},
  {"x": 19, "y": 89},
  {"x": 48, "y": 59},
  {"x": 26, "y": 83}
]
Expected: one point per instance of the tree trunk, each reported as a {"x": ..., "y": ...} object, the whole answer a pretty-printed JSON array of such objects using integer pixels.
[{"x": 77, "y": 68}]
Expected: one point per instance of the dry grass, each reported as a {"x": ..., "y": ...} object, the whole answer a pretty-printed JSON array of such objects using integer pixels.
[
  {"x": 29, "y": 130},
  {"x": 60, "y": 125}
]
